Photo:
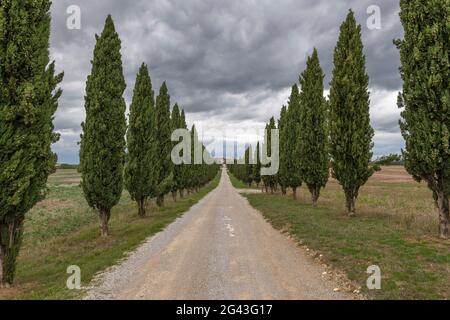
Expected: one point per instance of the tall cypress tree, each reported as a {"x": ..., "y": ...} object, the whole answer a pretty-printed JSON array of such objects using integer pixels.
[
  {"x": 102, "y": 147},
  {"x": 283, "y": 174},
  {"x": 425, "y": 70},
  {"x": 313, "y": 134},
  {"x": 163, "y": 131},
  {"x": 257, "y": 166},
  {"x": 184, "y": 173},
  {"x": 140, "y": 171},
  {"x": 194, "y": 179},
  {"x": 292, "y": 136},
  {"x": 248, "y": 167},
  {"x": 177, "y": 169},
  {"x": 350, "y": 130},
  {"x": 28, "y": 101}
]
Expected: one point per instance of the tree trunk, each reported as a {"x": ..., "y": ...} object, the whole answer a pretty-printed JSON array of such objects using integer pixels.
[
  {"x": 443, "y": 207},
  {"x": 10, "y": 242},
  {"x": 266, "y": 189},
  {"x": 272, "y": 190},
  {"x": 350, "y": 202},
  {"x": 160, "y": 201},
  {"x": 104, "y": 220},
  {"x": 181, "y": 193},
  {"x": 2, "y": 255},
  {"x": 294, "y": 193},
  {"x": 315, "y": 193},
  {"x": 283, "y": 190},
  {"x": 314, "y": 197},
  {"x": 141, "y": 205},
  {"x": 174, "y": 196}
]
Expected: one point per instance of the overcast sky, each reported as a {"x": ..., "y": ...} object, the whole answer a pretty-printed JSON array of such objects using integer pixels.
[{"x": 229, "y": 64}]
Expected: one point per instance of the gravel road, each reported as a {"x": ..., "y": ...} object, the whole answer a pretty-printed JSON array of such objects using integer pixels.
[{"x": 222, "y": 249}]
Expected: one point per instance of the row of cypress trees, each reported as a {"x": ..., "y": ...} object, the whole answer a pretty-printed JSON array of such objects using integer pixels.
[
  {"x": 146, "y": 169},
  {"x": 28, "y": 100},
  {"x": 317, "y": 135}
]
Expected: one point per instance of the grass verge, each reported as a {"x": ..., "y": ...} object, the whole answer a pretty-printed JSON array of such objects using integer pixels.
[
  {"x": 238, "y": 184},
  {"x": 412, "y": 266},
  {"x": 75, "y": 240}
]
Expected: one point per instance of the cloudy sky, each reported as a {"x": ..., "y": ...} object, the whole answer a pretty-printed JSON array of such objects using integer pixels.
[{"x": 229, "y": 64}]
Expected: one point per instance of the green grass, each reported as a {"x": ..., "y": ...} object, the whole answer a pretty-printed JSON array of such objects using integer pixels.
[
  {"x": 238, "y": 184},
  {"x": 62, "y": 231},
  {"x": 412, "y": 266}
]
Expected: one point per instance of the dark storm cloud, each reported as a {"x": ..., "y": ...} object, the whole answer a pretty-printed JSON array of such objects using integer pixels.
[{"x": 231, "y": 60}]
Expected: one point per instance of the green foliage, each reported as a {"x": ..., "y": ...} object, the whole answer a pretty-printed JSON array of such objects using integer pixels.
[
  {"x": 350, "y": 130},
  {"x": 102, "y": 147},
  {"x": 313, "y": 135},
  {"x": 163, "y": 131},
  {"x": 248, "y": 172},
  {"x": 425, "y": 70},
  {"x": 67, "y": 166},
  {"x": 257, "y": 166},
  {"x": 179, "y": 175},
  {"x": 184, "y": 170},
  {"x": 140, "y": 170},
  {"x": 199, "y": 172},
  {"x": 28, "y": 101},
  {"x": 290, "y": 145},
  {"x": 283, "y": 173},
  {"x": 388, "y": 160}
]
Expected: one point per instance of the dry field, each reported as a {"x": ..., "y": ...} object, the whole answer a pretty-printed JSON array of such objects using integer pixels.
[{"x": 391, "y": 193}]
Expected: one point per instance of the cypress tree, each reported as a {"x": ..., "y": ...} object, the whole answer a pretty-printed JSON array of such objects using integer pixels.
[
  {"x": 163, "y": 131},
  {"x": 102, "y": 147},
  {"x": 194, "y": 179},
  {"x": 283, "y": 174},
  {"x": 269, "y": 181},
  {"x": 139, "y": 170},
  {"x": 28, "y": 101},
  {"x": 291, "y": 146},
  {"x": 313, "y": 146},
  {"x": 350, "y": 130},
  {"x": 257, "y": 166},
  {"x": 425, "y": 71},
  {"x": 183, "y": 169},
  {"x": 177, "y": 169},
  {"x": 248, "y": 167}
]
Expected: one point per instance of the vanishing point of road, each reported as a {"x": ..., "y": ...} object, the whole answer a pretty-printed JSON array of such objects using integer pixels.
[{"x": 222, "y": 249}]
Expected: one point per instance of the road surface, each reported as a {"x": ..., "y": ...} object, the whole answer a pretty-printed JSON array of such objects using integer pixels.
[{"x": 222, "y": 249}]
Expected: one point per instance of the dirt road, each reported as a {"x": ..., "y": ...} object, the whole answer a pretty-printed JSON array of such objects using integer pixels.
[{"x": 221, "y": 249}]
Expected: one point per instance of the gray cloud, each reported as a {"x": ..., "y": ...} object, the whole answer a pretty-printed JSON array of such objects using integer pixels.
[{"x": 231, "y": 61}]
